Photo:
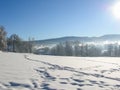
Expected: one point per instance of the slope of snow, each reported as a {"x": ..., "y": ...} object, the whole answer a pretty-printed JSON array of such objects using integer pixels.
[{"x": 37, "y": 72}]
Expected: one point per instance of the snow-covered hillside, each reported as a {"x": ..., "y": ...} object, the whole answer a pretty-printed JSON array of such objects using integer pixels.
[{"x": 37, "y": 72}]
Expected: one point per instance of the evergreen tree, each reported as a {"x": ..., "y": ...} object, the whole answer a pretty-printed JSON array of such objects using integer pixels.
[
  {"x": 110, "y": 50},
  {"x": 60, "y": 49},
  {"x": 77, "y": 49},
  {"x": 68, "y": 49}
]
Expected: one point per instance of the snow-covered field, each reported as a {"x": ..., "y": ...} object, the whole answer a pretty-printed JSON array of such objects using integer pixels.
[{"x": 37, "y": 72}]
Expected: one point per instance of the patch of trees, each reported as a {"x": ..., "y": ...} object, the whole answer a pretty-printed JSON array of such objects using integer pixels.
[
  {"x": 14, "y": 43},
  {"x": 83, "y": 50},
  {"x": 75, "y": 49},
  {"x": 113, "y": 50}
]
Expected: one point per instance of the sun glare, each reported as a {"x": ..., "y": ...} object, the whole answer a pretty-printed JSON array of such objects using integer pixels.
[{"x": 116, "y": 10}]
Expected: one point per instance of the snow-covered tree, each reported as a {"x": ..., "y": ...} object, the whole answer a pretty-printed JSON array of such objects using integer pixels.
[{"x": 3, "y": 42}]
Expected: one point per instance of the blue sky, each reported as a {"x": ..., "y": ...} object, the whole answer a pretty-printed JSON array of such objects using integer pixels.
[{"x": 43, "y": 19}]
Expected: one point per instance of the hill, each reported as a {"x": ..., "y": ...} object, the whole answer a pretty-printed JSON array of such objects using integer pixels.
[{"x": 109, "y": 37}]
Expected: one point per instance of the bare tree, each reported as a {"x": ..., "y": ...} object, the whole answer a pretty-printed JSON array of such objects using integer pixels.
[{"x": 15, "y": 43}]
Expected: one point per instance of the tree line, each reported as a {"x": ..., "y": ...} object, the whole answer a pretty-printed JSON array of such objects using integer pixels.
[
  {"x": 81, "y": 49},
  {"x": 14, "y": 43}
]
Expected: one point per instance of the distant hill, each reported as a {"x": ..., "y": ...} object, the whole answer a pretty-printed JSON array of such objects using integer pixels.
[{"x": 109, "y": 37}]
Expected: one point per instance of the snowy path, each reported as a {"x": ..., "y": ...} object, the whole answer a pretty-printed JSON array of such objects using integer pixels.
[{"x": 34, "y": 72}]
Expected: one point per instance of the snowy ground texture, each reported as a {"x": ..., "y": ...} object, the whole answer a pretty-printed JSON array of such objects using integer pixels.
[{"x": 37, "y": 72}]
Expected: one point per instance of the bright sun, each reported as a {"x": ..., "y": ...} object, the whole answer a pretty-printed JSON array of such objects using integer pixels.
[{"x": 116, "y": 10}]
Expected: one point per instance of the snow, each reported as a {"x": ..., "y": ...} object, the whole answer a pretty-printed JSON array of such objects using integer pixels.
[{"x": 41, "y": 72}]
